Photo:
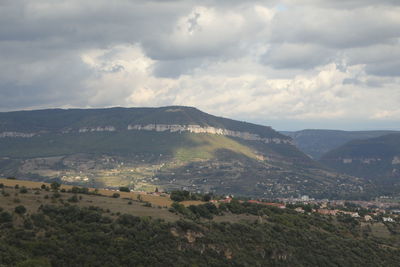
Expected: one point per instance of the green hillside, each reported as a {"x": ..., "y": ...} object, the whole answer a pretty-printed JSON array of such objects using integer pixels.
[
  {"x": 318, "y": 142},
  {"x": 73, "y": 147},
  {"x": 56, "y": 228},
  {"x": 376, "y": 159}
]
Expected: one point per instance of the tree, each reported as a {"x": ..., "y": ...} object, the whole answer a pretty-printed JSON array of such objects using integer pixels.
[
  {"x": 180, "y": 195},
  {"x": 74, "y": 199},
  {"x": 124, "y": 189},
  {"x": 5, "y": 217},
  {"x": 55, "y": 186},
  {"x": 20, "y": 209},
  {"x": 23, "y": 190}
]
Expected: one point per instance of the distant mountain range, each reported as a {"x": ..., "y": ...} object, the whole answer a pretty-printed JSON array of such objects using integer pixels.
[
  {"x": 376, "y": 159},
  {"x": 169, "y": 148},
  {"x": 316, "y": 143}
]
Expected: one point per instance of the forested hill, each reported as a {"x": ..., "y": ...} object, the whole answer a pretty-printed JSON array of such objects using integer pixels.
[
  {"x": 43, "y": 227},
  {"x": 375, "y": 158},
  {"x": 318, "y": 142}
]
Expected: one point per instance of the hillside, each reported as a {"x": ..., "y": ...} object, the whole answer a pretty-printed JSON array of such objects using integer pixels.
[
  {"x": 376, "y": 159},
  {"x": 318, "y": 142},
  {"x": 169, "y": 148},
  {"x": 48, "y": 227}
]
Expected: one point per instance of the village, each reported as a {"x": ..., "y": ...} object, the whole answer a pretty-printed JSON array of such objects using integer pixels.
[{"x": 367, "y": 211}]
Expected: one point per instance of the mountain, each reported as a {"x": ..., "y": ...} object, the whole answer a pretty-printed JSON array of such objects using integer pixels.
[
  {"x": 315, "y": 143},
  {"x": 376, "y": 159},
  {"x": 171, "y": 147}
]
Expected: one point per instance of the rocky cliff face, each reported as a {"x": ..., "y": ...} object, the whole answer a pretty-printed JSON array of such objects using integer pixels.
[
  {"x": 16, "y": 134},
  {"x": 162, "y": 128},
  {"x": 209, "y": 130}
]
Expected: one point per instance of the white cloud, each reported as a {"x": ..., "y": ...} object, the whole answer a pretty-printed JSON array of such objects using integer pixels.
[{"x": 258, "y": 60}]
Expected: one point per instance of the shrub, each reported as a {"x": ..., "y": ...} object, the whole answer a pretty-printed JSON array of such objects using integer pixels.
[
  {"x": 74, "y": 199},
  {"x": 5, "y": 217},
  {"x": 23, "y": 190},
  {"x": 124, "y": 189},
  {"x": 179, "y": 196},
  {"x": 115, "y": 195},
  {"x": 147, "y": 204},
  {"x": 55, "y": 185},
  {"x": 20, "y": 209}
]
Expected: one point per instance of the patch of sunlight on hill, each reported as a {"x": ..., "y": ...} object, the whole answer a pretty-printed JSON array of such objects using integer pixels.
[{"x": 208, "y": 145}]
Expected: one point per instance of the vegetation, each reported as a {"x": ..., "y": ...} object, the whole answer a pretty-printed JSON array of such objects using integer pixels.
[
  {"x": 167, "y": 160},
  {"x": 97, "y": 230},
  {"x": 72, "y": 236},
  {"x": 318, "y": 142}
]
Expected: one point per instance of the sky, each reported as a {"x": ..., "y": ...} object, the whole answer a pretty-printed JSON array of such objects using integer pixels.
[{"x": 290, "y": 64}]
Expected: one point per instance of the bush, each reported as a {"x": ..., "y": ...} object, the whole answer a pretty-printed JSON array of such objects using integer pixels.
[
  {"x": 20, "y": 209},
  {"x": 5, "y": 217},
  {"x": 55, "y": 185},
  {"x": 179, "y": 196},
  {"x": 80, "y": 190},
  {"x": 124, "y": 189},
  {"x": 23, "y": 190},
  {"x": 74, "y": 199},
  {"x": 116, "y": 195},
  {"x": 35, "y": 262},
  {"x": 147, "y": 204}
]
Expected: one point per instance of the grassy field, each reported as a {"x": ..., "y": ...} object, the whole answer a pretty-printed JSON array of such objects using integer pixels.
[
  {"x": 129, "y": 202},
  {"x": 153, "y": 199}
]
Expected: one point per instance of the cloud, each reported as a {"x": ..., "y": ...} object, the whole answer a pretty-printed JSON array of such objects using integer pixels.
[
  {"x": 275, "y": 60},
  {"x": 303, "y": 56}
]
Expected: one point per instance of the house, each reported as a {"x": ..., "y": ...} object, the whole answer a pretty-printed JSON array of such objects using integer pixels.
[
  {"x": 368, "y": 218},
  {"x": 299, "y": 209},
  {"x": 351, "y": 213},
  {"x": 327, "y": 212},
  {"x": 226, "y": 200},
  {"x": 387, "y": 219}
]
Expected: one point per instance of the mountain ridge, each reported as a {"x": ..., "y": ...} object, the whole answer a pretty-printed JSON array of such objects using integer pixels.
[
  {"x": 169, "y": 147},
  {"x": 122, "y": 117},
  {"x": 317, "y": 142}
]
